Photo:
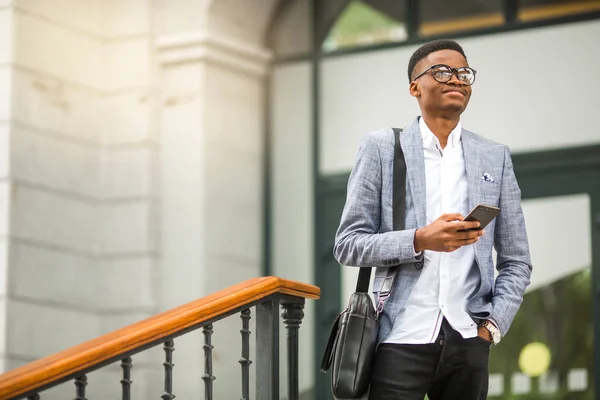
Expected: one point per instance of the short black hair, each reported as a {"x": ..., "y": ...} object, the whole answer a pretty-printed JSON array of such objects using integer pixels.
[{"x": 431, "y": 47}]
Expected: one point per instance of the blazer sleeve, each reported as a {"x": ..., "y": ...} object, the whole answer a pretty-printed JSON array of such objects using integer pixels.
[
  {"x": 510, "y": 241},
  {"x": 358, "y": 241}
]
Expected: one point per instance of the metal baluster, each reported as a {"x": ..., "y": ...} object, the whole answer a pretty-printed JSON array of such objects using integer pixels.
[
  {"x": 292, "y": 318},
  {"x": 126, "y": 364},
  {"x": 35, "y": 396},
  {"x": 80, "y": 384},
  {"x": 169, "y": 348},
  {"x": 208, "y": 377},
  {"x": 245, "y": 360}
]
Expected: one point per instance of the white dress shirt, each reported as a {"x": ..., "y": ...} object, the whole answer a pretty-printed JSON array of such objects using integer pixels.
[{"x": 442, "y": 288}]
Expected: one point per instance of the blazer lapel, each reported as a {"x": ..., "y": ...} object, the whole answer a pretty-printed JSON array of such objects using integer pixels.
[
  {"x": 473, "y": 167},
  {"x": 412, "y": 145}
]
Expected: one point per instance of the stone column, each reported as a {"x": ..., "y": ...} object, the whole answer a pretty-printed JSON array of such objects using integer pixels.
[
  {"x": 211, "y": 182},
  {"x": 211, "y": 142}
]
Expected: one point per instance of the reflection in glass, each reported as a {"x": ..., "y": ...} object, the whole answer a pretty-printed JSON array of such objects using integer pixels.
[
  {"x": 531, "y": 10},
  {"x": 548, "y": 353},
  {"x": 439, "y": 17},
  {"x": 360, "y": 24}
]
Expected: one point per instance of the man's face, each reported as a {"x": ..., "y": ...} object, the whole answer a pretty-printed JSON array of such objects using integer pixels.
[{"x": 435, "y": 97}]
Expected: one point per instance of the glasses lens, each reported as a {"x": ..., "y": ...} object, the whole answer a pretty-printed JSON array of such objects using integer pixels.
[
  {"x": 466, "y": 75},
  {"x": 441, "y": 73}
]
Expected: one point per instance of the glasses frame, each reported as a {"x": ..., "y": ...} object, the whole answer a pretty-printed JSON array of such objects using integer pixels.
[{"x": 452, "y": 71}]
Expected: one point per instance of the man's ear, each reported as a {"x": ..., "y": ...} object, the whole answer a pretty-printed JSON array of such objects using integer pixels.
[{"x": 414, "y": 89}]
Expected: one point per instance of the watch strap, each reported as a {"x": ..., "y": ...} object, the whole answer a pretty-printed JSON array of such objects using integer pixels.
[{"x": 494, "y": 331}]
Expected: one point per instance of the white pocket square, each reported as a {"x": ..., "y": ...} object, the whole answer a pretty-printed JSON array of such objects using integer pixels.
[{"x": 485, "y": 177}]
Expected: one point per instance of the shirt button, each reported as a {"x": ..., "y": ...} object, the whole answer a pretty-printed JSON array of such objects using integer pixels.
[
  {"x": 441, "y": 342},
  {"x": 419, "y": 265}
]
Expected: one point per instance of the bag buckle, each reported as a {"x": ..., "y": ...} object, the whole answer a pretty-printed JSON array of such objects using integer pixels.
[{"x": 382, "y": 299}]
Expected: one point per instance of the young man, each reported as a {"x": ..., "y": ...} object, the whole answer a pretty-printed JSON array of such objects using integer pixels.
[{"x": 445, "y": 309}]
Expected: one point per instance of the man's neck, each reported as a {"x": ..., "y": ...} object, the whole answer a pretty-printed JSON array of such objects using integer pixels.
[{"x": 441, "y": 127}]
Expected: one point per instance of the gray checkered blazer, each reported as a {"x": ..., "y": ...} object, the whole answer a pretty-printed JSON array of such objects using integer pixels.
[{"x": 365, "y": 237}]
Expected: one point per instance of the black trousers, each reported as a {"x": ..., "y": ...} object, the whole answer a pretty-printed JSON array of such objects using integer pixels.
[{"x": 451, "y": 368}]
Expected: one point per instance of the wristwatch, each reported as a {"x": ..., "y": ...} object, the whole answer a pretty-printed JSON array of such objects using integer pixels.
[{"x": 494, "y": 331}]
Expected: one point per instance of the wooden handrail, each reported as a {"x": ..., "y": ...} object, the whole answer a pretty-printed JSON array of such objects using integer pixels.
[{"x": 82, "y": 357}]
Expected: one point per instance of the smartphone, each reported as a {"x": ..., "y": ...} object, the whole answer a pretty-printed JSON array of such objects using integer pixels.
[{"x": 483, "y": 214}]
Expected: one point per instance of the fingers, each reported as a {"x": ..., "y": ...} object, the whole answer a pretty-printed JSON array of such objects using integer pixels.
[
  {"x": 467, "y": 235},
  {"x": 467, "y": 242},
  {"x": 451, "y": 217},
  {"x": 465, "y": 239},
  {"x": 449, "y": 233},
  {"x": 463, "y": 225},
  {"x": 458, "y": 223}
]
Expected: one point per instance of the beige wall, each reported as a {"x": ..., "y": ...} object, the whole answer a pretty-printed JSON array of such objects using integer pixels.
[
  {"x": 292, "y": 194},
  {"x": 82, "y": 254},
  {"x": 131, "y": 175},
  {"x": 6, "y": 17}
]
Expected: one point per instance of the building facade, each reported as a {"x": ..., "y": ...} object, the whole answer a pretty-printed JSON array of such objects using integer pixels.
[{"x": 155, "y": 151}]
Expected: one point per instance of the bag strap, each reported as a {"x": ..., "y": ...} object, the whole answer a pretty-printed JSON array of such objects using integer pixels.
[
  {"x": 399, "y": 195},
  {"x": 398, "y": 210}
]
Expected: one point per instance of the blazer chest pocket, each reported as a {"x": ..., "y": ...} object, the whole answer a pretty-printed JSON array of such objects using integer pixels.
[{"x": 490, "y": 192}]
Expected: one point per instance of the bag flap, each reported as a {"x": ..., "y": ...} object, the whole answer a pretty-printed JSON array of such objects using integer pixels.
[
  {"x": 328, "y": 354},
  {"x": 359, "y": 303}
]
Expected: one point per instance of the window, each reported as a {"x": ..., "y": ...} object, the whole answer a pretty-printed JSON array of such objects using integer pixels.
[
  {"x": 361, "y": 24},
  {"x": 548, "y": 353},
  {"x": 532, "y": 10},
  {"x": 439, "y": 17}
]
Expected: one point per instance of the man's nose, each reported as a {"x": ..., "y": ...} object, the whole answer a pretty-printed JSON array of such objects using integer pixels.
[{"x": 454, "y": 79}]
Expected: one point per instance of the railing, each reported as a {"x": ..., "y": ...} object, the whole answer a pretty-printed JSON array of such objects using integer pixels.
[{"x": 264, "y": 294}]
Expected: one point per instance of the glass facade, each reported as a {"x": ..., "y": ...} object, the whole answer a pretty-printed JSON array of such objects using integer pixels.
[
  {"x": 532, "y": 10},
  {"x": 361, "y": 24},
  {"x": 440, "y": 17},
  {"x": 548, "y": 352},
  {"x": 364, "y": 23}
]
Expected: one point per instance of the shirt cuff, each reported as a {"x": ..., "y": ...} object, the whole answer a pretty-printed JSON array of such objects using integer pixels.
[{"x": 415, "y": 254}]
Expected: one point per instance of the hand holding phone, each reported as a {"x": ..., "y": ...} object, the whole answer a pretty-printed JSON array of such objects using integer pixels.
[
  {"x": 483, "y": 214},
  {"x": 444, "y": 234}
]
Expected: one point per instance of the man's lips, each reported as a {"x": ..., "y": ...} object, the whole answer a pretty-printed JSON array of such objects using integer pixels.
[{"x": 455, "y": 91}]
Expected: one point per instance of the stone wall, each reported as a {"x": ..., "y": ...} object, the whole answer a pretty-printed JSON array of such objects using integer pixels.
[
  {"x": 131, "y": 174},
  {"x": 82, "y": 249}
]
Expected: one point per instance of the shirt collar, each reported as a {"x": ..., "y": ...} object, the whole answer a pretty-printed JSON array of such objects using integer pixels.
[{"x": 429, "y": 139}]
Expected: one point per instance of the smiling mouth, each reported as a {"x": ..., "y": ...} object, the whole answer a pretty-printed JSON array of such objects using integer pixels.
[{"x": 454, "y": 92}]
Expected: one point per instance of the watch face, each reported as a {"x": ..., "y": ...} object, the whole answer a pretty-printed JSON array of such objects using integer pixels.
[
  {"x": 496, "y": 337},
  {"x": 494, "y": 332}
]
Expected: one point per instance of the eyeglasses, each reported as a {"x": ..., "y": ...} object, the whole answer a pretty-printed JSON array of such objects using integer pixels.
[{"x": 443, "y": 73}]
